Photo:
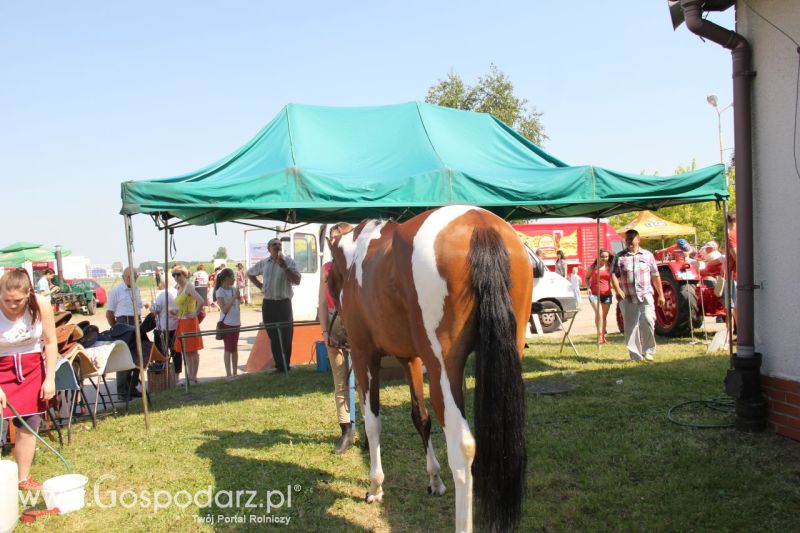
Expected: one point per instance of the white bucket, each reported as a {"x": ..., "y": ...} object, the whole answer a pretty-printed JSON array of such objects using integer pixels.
[
  {"x": 66, "y": 492},
  {"x": 9, "y": 496}
]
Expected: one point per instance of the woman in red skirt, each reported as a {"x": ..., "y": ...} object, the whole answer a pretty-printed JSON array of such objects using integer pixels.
[{"x": 27, "y": 379}]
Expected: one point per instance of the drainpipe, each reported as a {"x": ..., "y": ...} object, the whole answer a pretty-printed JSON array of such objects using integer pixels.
[{"x": 743, "y": 381}]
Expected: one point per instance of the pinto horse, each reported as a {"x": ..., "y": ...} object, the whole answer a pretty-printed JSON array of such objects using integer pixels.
[{"x": 432, "y": 290}]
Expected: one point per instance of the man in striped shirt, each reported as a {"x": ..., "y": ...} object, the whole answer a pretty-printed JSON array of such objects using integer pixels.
[{"x": 634, "y": 274}]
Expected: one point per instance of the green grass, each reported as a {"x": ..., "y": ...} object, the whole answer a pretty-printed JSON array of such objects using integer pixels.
[{"x": 601, "y": 457}]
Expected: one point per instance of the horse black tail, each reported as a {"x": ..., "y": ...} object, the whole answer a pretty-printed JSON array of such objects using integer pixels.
[{"x": 500, "y": 456}]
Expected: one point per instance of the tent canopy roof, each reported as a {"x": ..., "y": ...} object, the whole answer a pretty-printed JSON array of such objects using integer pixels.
[
  {"x": 20, "y": 256},
  {"x": 313, "y": 163},
  {"x": 17, "y": 246},
  {"x": 651, "y": 226}
]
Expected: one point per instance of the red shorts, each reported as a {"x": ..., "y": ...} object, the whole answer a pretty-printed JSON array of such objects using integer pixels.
[
  {"x": 231, "y": 338},
  {"x": 21, "y": 378}
]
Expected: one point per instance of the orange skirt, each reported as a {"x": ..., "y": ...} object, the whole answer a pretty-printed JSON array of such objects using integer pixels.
[{"x": 190, "y": 344}]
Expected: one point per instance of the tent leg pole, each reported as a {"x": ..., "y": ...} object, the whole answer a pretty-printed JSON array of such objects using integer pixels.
[
  {"x": 167, "y": 275},
  {"x": 598, "y": 317},
  {"x": 136, "y": 319}
]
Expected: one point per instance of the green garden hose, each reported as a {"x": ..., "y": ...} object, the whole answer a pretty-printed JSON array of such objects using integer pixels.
[{"x": 47, "y": 444}]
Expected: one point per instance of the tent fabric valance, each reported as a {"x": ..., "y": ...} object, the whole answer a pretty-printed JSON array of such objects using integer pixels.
[{"x": 313, "y": 163}]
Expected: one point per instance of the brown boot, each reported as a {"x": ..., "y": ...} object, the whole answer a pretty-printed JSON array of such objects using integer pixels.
[{"x": 346, "y": 440}]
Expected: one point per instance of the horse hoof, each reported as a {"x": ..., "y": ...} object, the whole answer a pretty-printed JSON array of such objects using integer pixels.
[
  {"x": 372, "y": 498},
  {"x": 437, "y": 491}
]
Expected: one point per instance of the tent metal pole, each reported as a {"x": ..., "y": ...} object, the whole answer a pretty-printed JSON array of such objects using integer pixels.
[
  {"x": 702, "y": 289},
  {"x": 598, "y": 317},
  {"x": 136, "y": 317},
  {"x": 167, "y": 275},
  {"x": 246, "y": 265}
]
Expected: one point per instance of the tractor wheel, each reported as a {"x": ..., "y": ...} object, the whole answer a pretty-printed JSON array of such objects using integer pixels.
[
  {"x": 680, "y": 308},
  {"x": 697, "y": 311},
  {"x": 91, "y": 307}
]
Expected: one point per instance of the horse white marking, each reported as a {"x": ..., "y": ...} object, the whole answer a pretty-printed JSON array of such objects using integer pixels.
[
  {"x": 431, "y": 293},
  {"x": 437, "y": 485},
  {"x": 372, "y": 423},
  {"x": 371, "y": 231},
  {"x": 348, "y": 246}
]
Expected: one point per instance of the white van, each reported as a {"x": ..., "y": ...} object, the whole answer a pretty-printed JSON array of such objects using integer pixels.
[{"x": 552, "y": 294}]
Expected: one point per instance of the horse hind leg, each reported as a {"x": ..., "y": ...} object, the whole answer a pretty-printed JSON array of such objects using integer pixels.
[
  {"x": 369, "y": 376},
  {"x": 422, "y": 421}
]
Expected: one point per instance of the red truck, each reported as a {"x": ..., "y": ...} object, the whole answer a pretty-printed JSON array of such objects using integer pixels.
[{"x": 576, "y": 237}]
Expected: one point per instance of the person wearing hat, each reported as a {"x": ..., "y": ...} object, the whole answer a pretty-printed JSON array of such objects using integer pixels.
[
  {"x": 685, "y": 249},
  {"x": 681, "y": 250}
]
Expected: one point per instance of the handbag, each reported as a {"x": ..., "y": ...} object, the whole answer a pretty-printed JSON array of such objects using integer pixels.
[
  {"x": 220, "y": 325},
  {"x": 155, "y": 354}
]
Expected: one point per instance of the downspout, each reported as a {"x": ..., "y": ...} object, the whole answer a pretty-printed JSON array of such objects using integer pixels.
[{"x": 743, "y": 382}]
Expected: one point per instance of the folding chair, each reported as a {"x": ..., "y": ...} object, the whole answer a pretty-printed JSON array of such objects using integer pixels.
[
  {"x": 82, "y": 366},
  {"x": 104, "y": 358},
  {"x": 566, "y": 331},
  {"x": 67, "y": 383}
]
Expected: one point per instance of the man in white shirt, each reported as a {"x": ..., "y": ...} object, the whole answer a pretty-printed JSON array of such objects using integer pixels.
[
  {"x": 119, "y": 309},
  {"x": 278, "y": 274}
]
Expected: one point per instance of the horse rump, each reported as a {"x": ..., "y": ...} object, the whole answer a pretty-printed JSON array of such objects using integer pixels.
[{"x": 500, "y": 414}]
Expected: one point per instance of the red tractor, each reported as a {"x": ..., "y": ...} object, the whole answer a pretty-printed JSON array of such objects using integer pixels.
[{"x": 692, "y": 289}]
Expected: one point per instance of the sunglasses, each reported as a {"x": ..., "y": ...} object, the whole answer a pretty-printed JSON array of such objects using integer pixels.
[
  {"x": 176, "y": 274},
  {"x": 276, "y": 245}
]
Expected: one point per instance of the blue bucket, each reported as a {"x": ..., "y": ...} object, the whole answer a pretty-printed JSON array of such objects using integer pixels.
[{"x": 323, "y": 365}]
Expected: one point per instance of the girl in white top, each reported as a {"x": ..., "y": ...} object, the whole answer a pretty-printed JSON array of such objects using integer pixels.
[
  {"x": 227, "y": 298},
  {"x": 27, "y": 381}
]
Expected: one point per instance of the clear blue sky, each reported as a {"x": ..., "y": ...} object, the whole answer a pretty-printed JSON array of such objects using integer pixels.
[{"x": 95, "y": 93}]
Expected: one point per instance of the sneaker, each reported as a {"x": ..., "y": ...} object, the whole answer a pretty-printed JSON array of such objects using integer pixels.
[
  {"x": 648, "y": 357},
  {"x": 30, "y": 484}
]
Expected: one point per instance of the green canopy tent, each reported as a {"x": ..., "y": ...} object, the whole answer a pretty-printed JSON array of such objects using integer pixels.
[
  {"x": 314, "y": 163},
  {"x": 325, "y": 164},
  {"x": 42, "y": 253},
  {"x": 17, "y": 246}
]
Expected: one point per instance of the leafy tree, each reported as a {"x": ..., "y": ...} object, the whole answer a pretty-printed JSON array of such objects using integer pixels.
[
  {"x": 494, "y": 93},
  {"x": 222, "y": 253},
  {"x": 705, "y": 217},
  {"x": 149, "y": 265}
]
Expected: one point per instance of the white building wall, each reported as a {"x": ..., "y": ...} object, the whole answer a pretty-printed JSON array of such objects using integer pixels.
[
  {"x": 75, "y": 266},
  {"x": 776, "y": 194}
]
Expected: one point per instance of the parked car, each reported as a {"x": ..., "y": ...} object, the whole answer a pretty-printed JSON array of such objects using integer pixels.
[
  {"x": 99, "y": 292},
  {"x": 552, "y": 293}
]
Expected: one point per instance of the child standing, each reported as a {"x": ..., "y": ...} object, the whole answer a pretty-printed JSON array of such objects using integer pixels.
[
  {"x": 227, "y": 298},
  {"x": 575, "y": 280}
]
